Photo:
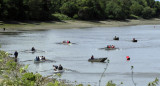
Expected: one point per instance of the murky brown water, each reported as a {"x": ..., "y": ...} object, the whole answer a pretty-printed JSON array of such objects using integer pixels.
[{"x": 144, "y": 54}]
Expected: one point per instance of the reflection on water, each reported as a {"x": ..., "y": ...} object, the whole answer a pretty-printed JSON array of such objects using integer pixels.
[{"x": 144, "y": 54}]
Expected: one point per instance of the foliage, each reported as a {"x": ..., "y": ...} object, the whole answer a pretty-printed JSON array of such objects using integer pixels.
[
  {"x": 148, "y": 12},
  {"x": 77, "y": 9},
  {"x": 61, "y": 16},
  {"x": 110, "y": 83},
  {"x": 154, "y": 83}
]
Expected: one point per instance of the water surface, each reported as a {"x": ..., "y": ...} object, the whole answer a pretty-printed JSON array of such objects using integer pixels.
[{"x": 144, "y": 54}]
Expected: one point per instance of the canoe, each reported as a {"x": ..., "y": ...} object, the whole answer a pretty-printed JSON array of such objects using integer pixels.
[
  {"x": 117, "y": 38},
  {"x": 134, "y": 40},
  {"x": 97, "y": 59},
  {"x": 59, "y": 71}
]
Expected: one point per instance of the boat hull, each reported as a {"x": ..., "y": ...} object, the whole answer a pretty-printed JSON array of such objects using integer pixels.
[
  {"x": 116, "y": 38},
  {"x": 97, "y": 59},
  {"x": 59, "y": 71}
]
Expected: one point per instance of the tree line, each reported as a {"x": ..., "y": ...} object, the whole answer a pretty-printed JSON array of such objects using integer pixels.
[{"x": 78, "y": 9}]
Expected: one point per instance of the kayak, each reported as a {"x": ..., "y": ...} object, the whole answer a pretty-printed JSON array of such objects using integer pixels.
[
  {"x": 59, "y": 71},
  {"x": 97, "y": 59}
]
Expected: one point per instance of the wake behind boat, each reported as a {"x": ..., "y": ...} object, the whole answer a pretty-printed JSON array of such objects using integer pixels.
[{"x": 97, "y": 59}]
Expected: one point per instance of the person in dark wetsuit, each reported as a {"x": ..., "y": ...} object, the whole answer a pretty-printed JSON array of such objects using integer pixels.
[
  {"x": 60, "y": 67},
  {"x": 33, "y": 49},
  {"x": 16, "y": 54},
  {"x": 92, "y": 57}
]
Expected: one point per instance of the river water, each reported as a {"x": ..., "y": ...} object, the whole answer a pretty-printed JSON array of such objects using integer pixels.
[{"x": 144, "y": 54}]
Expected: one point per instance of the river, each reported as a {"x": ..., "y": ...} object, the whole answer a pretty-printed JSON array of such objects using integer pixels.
[{"x": 144, "y": 54}]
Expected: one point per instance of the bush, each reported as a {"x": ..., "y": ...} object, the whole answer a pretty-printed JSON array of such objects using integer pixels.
[
  {"x": 61, "y": 16},
  {"x": 134, "y": 17}
]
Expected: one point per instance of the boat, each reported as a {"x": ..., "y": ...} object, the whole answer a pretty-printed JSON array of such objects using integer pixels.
[
  {"x": 97, "y": 59},
  {"x": 106, "y": 48},
  {"x": 65, "y": 43},
  {"x": 35, "y": 61},
  {"x": 116, "y": 38},
  {"x": 59, "y": 71},
  {"x": 134, "y": 40}
]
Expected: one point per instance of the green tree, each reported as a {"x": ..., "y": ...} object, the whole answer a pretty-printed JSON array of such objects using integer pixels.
[
  {"x": 114, "y": 11},
  {"x": 148, "y": 12},
  {"x": 69, "y": 8},
  {"x": 136, "y": 9}
]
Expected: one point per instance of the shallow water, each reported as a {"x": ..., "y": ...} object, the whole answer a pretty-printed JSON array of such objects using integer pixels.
[{"x": 144, "y": 54}]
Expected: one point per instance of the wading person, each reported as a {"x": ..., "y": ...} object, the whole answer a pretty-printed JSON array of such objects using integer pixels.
[{"x": 16, "y": 54}]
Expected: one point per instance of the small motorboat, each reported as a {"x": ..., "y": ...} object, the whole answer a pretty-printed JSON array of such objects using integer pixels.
[
  {"x": 134, "y": 40},
  {"x": 97, "y": 59},
  {"x": 65, "y": 43},
  {"x": 59, "y": 71},
  {"x": 106, "y": 48},
  {"x": 116, "y": 38}
]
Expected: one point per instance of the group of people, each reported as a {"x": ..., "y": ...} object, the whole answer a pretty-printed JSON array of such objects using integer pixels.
[
  {"x": 38, "y": 58},
  {"x": 110, "y": 46},
  {"x": 66, "y": 41},
  {"x": 58, "y": 68}
]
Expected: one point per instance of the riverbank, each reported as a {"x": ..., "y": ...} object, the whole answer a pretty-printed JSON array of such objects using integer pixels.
[{"x": 31, "y": 25}]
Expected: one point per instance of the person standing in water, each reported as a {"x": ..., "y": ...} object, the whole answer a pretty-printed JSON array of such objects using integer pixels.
[{"x": 16, "y": 54}]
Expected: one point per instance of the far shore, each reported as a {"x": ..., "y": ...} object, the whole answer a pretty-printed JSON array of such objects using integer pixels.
[{"x": 69, "y": 24}]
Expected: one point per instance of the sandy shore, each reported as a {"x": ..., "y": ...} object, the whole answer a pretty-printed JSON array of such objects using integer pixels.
[{"x": 75, "y": 24}]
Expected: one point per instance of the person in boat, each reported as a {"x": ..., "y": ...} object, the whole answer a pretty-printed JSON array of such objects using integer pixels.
[
  {"x": 92, "y": 57},
  {"x": 69, "y": 42},
  {"x": 113, "y": 46},
  {"x": 43, "y": 58},
  {"x": 55, "y": 67},
  {"x": 64, "y": 41},
  {"x": 60, "y": 67},
  {"x": 115, "y": 37},
  {"x": 134, "y": 39},
  {"x": 16, "y": 54},
  {"x": 33, "y": 49},
  {"x": 38, "y": 59},
  {"x": 108, "y": 46}
]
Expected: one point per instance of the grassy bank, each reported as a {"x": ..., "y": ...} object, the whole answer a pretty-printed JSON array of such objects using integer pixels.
[{"x": 31, "y": 25}]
